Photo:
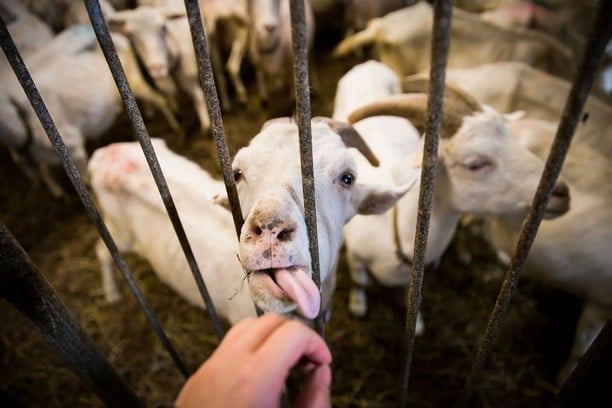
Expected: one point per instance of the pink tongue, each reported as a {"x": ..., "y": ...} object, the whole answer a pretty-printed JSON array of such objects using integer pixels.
[{"x": 302, "y": 290}]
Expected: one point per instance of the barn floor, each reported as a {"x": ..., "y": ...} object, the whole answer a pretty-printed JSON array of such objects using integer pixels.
[{"x": 367, "y": 367}]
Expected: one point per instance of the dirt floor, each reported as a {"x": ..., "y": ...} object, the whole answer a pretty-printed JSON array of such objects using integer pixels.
[{"x": 368, "y": 356}]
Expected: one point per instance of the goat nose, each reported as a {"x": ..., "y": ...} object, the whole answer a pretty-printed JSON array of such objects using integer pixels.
[
  {"x": 269, "y": 28},
  {"x": 275, "y": 230},
  {"x": 559, "y": 202},
  {"x": 561, "y": 191}
]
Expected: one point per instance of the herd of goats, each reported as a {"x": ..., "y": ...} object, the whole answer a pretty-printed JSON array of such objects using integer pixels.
[{"x": 509, "y": 72}]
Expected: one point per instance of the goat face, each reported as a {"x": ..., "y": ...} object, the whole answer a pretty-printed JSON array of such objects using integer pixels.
[{"x": 274, "y": 247}]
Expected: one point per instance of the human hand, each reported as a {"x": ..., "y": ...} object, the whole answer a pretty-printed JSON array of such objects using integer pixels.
[{"x": 252, "y": 362}]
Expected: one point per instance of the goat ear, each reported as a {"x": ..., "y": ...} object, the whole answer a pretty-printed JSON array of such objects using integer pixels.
[
  {"x": 171, "y": 14},
  {"x": 222, "y": 200},
  {"x": 377, "y": 199},
  {"x": 116, "y": 22}
]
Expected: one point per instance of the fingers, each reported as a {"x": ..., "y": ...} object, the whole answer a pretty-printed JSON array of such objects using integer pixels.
[
  {"x": 315, "y": 392},
  {"x": 255, "y": 332},
  {"x": 291, "y": 342}
]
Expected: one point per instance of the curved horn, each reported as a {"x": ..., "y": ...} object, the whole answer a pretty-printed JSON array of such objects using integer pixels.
[
  {"x": 419, "y": 83},
  {"x": 350, "y": 137},
  {"x": 414, "y": 108}
]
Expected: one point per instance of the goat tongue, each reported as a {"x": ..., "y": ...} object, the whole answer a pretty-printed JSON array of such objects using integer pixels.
[{"x": 301, "y": 289}]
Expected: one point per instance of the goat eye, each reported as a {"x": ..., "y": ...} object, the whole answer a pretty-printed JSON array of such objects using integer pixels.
[
  {"x": 476, "y": 165},
  {"x": 237, "y": 175},
  {"x": 348, "y": 179}
]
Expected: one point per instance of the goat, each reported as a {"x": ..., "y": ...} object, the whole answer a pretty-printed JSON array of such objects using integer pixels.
[
  {"x": 402, "y": 41},
  {"x": 579, "y": 266},
  {"x": 72, "y": 77},
  {"x": 273, "y": 246},
  {"x": 226, "y": 23},
  {"x": 162, "y": 40},
  {"x": 481, "y": 170},
  {"x": 270, "y": 48}
]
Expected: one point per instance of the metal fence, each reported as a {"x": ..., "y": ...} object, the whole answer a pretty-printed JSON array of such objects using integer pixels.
[{"x": 27, "y": 290}]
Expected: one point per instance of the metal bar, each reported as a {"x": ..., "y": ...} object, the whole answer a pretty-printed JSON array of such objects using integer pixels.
[
  {"x": 571, "y": 115},
  {"x": 35, "y": 99},
  {"x": 439, "y": 54},
  {"x": 110, "y": 53},
  {"x": 22, "y": 284},
  {"x": 302, "y": 96},
  {"x": 207, "y": 79}
]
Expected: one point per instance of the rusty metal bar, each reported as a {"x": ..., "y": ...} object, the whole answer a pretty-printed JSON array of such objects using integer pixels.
[
  {"x": 302, "y": 97},
  {"x": 443, "y": 11},
  {"x": 22, "y": 284},
  {"x": 207, "y": 79},
  {"x": 35, "y": 99},
  {"x": 602, "y": 28},
  {"x": 110, "y": 53}
]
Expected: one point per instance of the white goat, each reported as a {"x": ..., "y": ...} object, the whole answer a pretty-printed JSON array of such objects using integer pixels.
[
  {"x": 227, "y": 24},
  {"x": 73, "y": 79},
  {"x": 572, "y": 252},
  {"x": 511, "y": 86},
  {"x": 481, "y": 170},
  {"x": 270, "y": 47},
  {"x": 402, "y": 40},
  {"x": 138, "y": 221},
  {"x": 162, "y": 40},
  {"x": 273, "y": 248},
  {"x": 393, "y": 139}
]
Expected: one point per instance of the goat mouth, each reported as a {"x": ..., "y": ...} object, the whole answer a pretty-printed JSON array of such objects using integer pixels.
[{"x": 293, "y": 283}]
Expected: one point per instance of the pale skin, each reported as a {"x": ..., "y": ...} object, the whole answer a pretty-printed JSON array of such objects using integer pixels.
[{"x": 251, "y": 364}]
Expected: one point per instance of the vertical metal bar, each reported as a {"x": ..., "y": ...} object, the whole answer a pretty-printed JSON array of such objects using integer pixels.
[
  {"x": 439, "y": 54},
  {"x": 302, "y": 93},
  {"x": 602, "y": 28},
  {"x": 28, "y": 291},
  {"x": 207, "y": 79},
  {"x": 110, "y": 53},
  {"x": 35, "y": 99}
]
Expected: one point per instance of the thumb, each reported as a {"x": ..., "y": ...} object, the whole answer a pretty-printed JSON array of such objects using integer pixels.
[{"x": 315, "y": 392}]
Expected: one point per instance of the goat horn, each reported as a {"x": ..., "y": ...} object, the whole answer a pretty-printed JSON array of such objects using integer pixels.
[
  {"x": 350, "y": 137},
  {"x": 414, "y": 108},
  {"x": 420, "y": 83}
]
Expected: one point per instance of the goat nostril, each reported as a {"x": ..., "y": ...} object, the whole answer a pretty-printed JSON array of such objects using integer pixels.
[
  {"x": 257, "y": 230},
  {"x": 561, "y": 190},
  {"x": 285, "y": 234}
]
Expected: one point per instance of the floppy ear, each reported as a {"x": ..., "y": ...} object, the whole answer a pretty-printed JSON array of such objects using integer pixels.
[
  {"x": 376, "y": 199},
  {"x": 116, "y": 22},
  {"x": 221, "y": 199},
  {"x": 406, "y": 173}
]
